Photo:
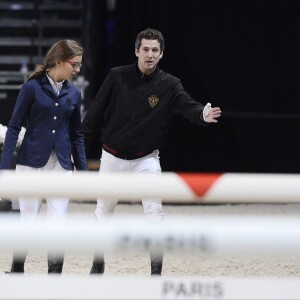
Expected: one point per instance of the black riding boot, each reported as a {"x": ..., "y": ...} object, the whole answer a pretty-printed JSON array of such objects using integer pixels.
[
  {"x": 55, "y": 264},
  {"x": 18, "y": 262},
  {"x": 98, "y": 264},
  {"x": 17, "y": 266},
  {"x": 5, "y": 205},
  {"x": 156, "y": 263}
]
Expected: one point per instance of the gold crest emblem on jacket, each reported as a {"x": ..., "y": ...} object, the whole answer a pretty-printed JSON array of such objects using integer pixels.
[{"x": 153, "y": 100}]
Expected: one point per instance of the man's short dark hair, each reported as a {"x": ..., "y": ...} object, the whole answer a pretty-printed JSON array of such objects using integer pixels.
[{"x": 150, "y": 34}]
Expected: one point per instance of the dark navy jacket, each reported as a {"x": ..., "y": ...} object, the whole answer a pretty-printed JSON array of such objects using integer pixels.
[
  {"x": 52, "y": 123},
  {"x": 133, "y": 110}
]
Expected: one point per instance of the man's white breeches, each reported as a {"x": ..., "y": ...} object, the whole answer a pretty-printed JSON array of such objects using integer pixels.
[{"x": 147, "y": 164}]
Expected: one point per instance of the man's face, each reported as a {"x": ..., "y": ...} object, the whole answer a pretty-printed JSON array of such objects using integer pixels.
[{"x": 148, "y": 55}]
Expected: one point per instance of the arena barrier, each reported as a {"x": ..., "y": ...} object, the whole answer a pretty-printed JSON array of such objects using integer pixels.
[
  {"x": 132, "y": 288},
  {"x": 172, "y": 187}
]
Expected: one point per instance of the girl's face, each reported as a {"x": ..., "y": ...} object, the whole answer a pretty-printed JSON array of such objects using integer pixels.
[{"x": 68, "y": 69}]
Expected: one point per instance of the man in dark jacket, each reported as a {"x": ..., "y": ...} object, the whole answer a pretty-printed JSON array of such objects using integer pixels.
[{"x": 133, "y": 109}]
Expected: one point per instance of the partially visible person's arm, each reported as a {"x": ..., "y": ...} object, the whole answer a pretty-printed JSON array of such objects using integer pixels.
[{"x": 18, "y": 119}]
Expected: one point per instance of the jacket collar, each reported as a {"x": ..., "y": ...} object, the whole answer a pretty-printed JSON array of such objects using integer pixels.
[
  {"x": 47, "y": 85},
  {"x": 142, "y": 75}
]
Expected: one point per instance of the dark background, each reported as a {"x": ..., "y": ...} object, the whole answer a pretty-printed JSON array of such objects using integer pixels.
[{"x": 240, "y": 55}]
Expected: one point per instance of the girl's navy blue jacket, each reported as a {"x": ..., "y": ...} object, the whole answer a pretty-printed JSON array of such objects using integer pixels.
[{"x": 52, "y": 123}]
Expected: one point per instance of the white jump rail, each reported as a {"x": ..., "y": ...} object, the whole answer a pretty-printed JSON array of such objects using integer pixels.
[
  {"x": 132, "y": 288},
  {"x": 172, "y": 187},
  {"x": 209, "y": 235}
]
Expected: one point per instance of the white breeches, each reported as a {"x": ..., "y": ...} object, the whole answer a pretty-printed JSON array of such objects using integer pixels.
[
  {"x": 56, "y": 207},
  {"x": 147, "y": 164}
]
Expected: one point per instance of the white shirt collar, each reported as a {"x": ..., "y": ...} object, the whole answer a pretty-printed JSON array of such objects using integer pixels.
[{"x": 57, "y": 86}]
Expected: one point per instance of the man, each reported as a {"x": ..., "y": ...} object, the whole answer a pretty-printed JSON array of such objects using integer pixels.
[{"x": 133, "y": 109}]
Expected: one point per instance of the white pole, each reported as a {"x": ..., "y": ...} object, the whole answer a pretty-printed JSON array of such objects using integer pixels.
[
  {"x": 172, "y": 187},
  {"x": 251, "y": 235},
  {"x": 90, "y": 185},
  {"x": 155, "y": 288}
]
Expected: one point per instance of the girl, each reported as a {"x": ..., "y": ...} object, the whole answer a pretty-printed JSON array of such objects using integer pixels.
[{"x": 48, "y": 105}]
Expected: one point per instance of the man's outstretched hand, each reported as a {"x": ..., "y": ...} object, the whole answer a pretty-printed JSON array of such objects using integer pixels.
[{"x": 211, "y": 114}]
